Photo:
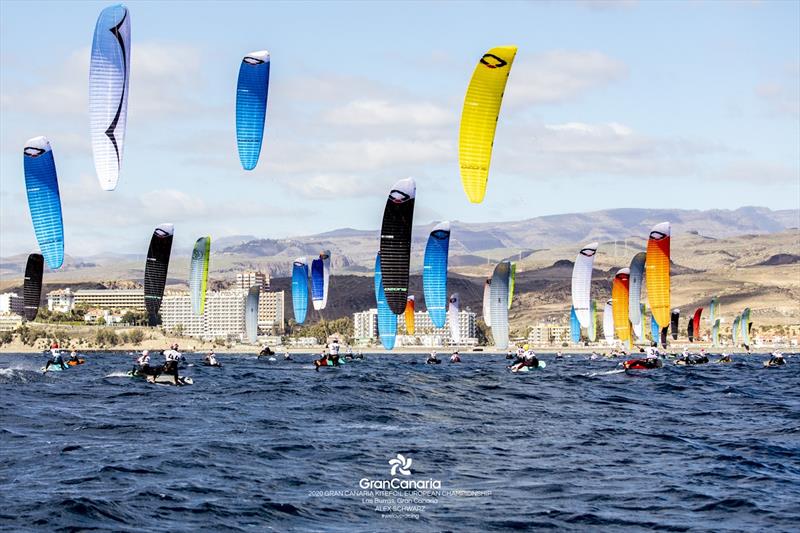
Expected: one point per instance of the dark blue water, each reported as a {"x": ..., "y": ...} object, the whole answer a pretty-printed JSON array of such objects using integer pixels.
[{"x": 255, "y": 446}]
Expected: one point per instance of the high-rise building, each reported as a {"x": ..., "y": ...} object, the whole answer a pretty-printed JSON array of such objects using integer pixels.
[
  {"x": 270, "y": 313},
  {"x": 11, "y": 302},
  {"x": 245, "y": 280},
  {"x": 544, "y": 334},
  {"x": 61, "y": 300},
  {"x": 365, "y": 325},
  {"x": 223, "y": 316},
  {"x": 111, "y": 298}
]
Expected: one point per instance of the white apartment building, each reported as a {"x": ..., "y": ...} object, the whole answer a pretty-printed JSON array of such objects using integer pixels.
[
  {"x": 245, "y": 280},
  {"x": 11, "y": 302},
  {"x": 546, "y": 334},
  {"x": 10, "y": 321},
  {"x": 61, "y": 300},
  {"x": 223, "y": 316},
  {"x": 270, "y": 313},
  {"x": 365, "y": 326},
  {"x": 111, "y": 298}
]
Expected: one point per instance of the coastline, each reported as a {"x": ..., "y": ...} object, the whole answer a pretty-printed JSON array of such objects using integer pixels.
[{"x": 249, "y": 351}]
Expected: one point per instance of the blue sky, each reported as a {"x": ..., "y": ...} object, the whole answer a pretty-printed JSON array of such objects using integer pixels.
[{"x": 609, "y": 104}]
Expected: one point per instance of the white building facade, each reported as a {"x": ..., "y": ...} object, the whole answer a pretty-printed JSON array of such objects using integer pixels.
[
  {"x": 270, "y": 313},
  {"x": 245, "y": 280},
  {"x": 223, "y": 316},
  {"x": 61, "y": 300},
  {"x": 111, "y": 298},
  {"x": 546, "y": 334},
  {"x": 11, "y": 302},
  {"x": 365, "y": 327}
]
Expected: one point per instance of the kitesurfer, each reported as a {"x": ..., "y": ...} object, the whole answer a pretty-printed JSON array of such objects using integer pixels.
[
  {"x": 529, "y": 360},
  {"x": 433, "y": 359},
  {"x": 322, "y": 361},
  {"x": 725, "y": 358},
  {"x": 360, "y": 355},
  {"x": 333, "y": 352},
  {"x": 74, "y": 359},
  {"x": 776, "y": 359},
  {"x": 142, "y": 366},
  {"x": 286, "y": 356},
  {"x": 55, "y": 358},
  {"x": 265, "y": 351},
  {"x": 211, "y": 359},
  {"x": 171, "y": 359},
  {"x": 509, "y": 355},
  {"x": 455, "y": 358}
]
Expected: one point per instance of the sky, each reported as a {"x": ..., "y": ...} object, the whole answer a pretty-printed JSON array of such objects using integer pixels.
[{"x": 609, "y": 104}]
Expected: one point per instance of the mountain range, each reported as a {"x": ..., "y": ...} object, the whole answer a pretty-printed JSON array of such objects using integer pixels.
[{"x": 748, "y": 256}]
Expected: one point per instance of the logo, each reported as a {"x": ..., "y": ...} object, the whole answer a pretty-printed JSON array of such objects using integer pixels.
[
  {"x": 492, "y": 61},
  {"x": 400, "y": 464}
]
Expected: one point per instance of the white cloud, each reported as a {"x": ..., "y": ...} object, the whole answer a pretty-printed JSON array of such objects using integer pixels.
[
  {"x": 163, "y": 81},
  {"x": 578, "y": 149},
  {"x": 604, "y": 5},
  {"x": 782, "y": 100},
  {"x": 386, "y": 113},
  {"x": 558, "y": 76},
  {"x": 762, "y": 172},
  {"x": 364, "y": 155}
]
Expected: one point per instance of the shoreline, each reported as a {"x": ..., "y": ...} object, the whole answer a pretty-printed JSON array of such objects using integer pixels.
[{"x": 243, "y": 352}]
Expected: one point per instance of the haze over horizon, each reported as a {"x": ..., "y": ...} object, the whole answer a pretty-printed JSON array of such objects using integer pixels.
[{"x": 614, "y": 113}]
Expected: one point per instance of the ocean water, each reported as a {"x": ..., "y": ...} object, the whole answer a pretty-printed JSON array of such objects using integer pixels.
[{"x": 259, "y": 446}]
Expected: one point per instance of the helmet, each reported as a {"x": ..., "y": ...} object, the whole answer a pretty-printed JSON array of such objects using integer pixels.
[
  {"x": 145, "y": 352},
  {"x": 525, "y": 347}
]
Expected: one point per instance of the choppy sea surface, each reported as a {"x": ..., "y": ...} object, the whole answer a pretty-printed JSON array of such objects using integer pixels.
[{"x": 258, "y": 445}]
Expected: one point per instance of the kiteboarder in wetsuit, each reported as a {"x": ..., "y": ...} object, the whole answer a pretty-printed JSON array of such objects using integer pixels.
[
  {"x": 172, "y": 358},
  {"x": 776, "y": 359},
  {"x": 142, "y": 366},
  {"x": 211, "y": 359},
  {"x": 55, "y": 359},
  {"x": 529, "y": 360},
  {"x": 432, "y": 359}
]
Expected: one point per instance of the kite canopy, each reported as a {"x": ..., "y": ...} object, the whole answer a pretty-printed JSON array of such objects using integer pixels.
[
  {"x": 434, "y": 273},
  {"x": 109, "y": 73},
  {"x": 44, "y": 199},
  {"x": 155, "y": 270},
  {"x": 582, "y": 283},
  {"x": 251, "y": 106},
  {"x": 479, "y": 119},
  {"x": 608, "y": 321},
  {"x": 657, "y": 272},
  {"x": 32, "y": 286},
  {"x": 409, "y": 315},
  {"x": 635, "y": 288},
  {"x": 619, "y": 297},
  {"x": 198, "y": 274},
  {"x": 487, "y": 302},
  {"x": 300, "y": 289},
  {"x": 251, "y": 313},
  {"x": 387, "y": 320},
  {"x": 452, "y": 314},
  {"x": 574, "y": 326},
  {"x": 499, "y": 304},
  {"x": 320, "y": 278},
  {"x": 395, "y": 251}
]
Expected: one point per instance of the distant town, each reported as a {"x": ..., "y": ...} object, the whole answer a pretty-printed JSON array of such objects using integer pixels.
[{"x": 104, "y": 318}]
